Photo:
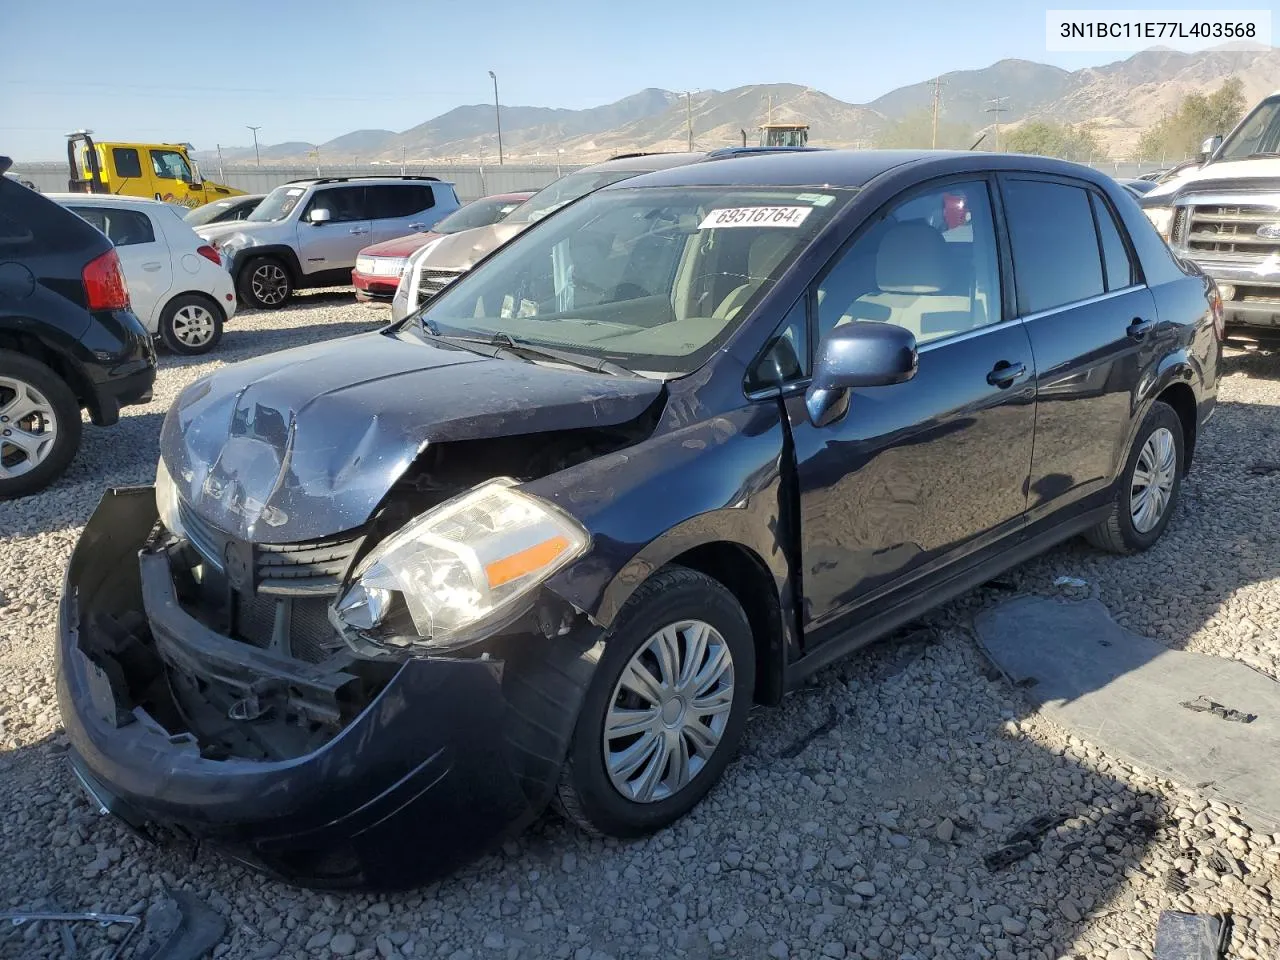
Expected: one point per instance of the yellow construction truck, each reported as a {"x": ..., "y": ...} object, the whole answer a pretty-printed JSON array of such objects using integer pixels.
[{"x": 160, "y": 171}]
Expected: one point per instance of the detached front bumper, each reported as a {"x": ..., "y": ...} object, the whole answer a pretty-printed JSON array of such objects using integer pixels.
[{"x": 450, "y": 756}]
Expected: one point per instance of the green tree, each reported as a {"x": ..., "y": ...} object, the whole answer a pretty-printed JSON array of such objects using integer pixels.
[
  {"x": 915, "y": 131},
  {"x": 1199, "y": 116},
  {"x": 1047, "y": 139}
]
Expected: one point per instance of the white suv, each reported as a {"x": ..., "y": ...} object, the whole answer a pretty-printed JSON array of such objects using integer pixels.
[{"x": 307, "y": 233}]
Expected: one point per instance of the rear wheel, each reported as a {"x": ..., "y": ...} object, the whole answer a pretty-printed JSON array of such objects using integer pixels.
[
  {"x": 665, "y": 710},
  {"x": 1148, "y": 488},
  {"x": 265, "y": 283},
  {"x": 39, "y": 425},
  {"x": 191, "y": 325}
]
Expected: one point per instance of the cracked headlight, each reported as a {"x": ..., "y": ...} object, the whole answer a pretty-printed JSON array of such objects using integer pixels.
[
  {"x": 458, "y": 569},
  {"x": 167, "y": 500}
]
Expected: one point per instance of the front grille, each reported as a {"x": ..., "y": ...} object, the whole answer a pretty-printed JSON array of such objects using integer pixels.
[
  {"x": 1230, "y": 232},
  {"x": 431, "y": 282},
  {"x": 311, "y": 568},
  {"x": 305, "y": 632}
]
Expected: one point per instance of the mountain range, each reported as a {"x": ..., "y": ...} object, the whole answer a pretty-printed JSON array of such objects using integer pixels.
[{"x": 1119, "y": 99}]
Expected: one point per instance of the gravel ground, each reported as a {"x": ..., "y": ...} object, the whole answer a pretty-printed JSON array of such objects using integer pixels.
[{"x": 855, "y": 823}]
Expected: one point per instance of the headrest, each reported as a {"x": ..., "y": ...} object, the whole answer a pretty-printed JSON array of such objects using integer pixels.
[{"x": 912, "y": 259}]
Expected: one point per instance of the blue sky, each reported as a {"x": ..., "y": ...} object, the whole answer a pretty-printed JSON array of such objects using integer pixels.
[{"x": 313, "y": 69}]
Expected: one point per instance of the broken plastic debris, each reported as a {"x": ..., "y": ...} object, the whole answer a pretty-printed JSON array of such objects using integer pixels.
[
  {"x": 1203, "y": 704},
  {"x": 1075, "y": 582},
  {"x": 1190, "y": 936},
  {"x": 1024, "y": 841}
]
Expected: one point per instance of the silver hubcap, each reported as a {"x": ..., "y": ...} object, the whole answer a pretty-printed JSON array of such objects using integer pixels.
[
  {"x": 668, "y": 711},
  {"x": 269, "y": 283},
  {"x": 28, "y": 428},
  {"x": 193, "y": 325},
  {"x": 1153, "y": 476}
]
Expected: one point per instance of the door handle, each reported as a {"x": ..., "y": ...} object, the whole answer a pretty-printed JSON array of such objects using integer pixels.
[
  {"x": 358, "y": 230},
  {"x": 418, "y": 226},
  {"x": 1140, "y": 328},
  {"x": 153, "y": 266},
  {"x": 1004, "y": 373}
]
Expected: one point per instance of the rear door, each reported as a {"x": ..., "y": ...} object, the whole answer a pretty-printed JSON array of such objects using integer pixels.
[
  {"x": 922, "y": 475},
  {"x": 399, "y": 209},
  {"x": 1092, "y": 324},
  {"x": 144, "y": 256},
  {"x": 333, "y": 245}
]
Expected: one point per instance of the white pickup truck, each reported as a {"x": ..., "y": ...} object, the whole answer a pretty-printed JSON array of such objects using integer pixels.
[{"x": 1225, "y": 216}]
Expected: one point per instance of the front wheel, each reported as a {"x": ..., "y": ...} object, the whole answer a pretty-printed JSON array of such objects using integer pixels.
[
  {"x": 265, "y": 283},
  {"x": 39, "y": 425},
  {"x": 665, "y": 710},
  {"x": 191, "y": 325},
  {"x": 1149, "y": 487}
]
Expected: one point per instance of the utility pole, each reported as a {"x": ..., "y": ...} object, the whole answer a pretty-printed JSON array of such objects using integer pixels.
[
  {"x": 221, "y": 176},
  {"x": 997, "y": 107},
  {"x": 316, "y": 153},
  {"x": 497, "y": 114},
  {"x": 403, "y": 154},
  {"x": 937, "y": 99},
  {"x": 688, "y": 114},
  {"x": 257, "y": 159}
]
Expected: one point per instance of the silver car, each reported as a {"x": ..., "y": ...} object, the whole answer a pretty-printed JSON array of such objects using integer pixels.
[{"x": 307, "y": 233}]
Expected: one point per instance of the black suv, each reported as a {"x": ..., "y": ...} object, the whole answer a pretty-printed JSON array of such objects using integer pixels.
[
  {"x": 68, "y": 339},
  {"x": 663, "y": 455}
]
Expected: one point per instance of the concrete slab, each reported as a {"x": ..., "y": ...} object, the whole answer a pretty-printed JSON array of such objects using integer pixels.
[{"x": 1125, "y": 693}]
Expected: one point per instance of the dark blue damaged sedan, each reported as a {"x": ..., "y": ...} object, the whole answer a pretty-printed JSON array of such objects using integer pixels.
[{"x": 661, "y": 457}]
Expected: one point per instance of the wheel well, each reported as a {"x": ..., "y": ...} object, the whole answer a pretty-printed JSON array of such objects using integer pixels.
[
  {"x": 199, "y": 295},
  {"x": 1183, "y": 400},
  {"x": 744, "y": 574},
  {"x": 34, "y": 348}
]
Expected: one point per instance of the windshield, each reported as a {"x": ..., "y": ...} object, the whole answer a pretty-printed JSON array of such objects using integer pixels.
[
  {"x": 277, "y": 204},
  {"x": 478, "y": 213},
  {"x": 653, "y": 280},
  {"x": 202, "y": 215},
  {"x": 1259, "y": 133},
  {"x": 566, "y": 190}
]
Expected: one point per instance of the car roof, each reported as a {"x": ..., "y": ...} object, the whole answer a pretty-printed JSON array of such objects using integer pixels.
[
  {"x": 648, "y": 161},
  {"x": 109, "y": 200},
  {"x": 371, "y": 180},
  {"x": 844, "y": 168}
]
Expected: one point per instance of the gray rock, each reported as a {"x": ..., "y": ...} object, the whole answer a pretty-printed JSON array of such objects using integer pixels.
[{"x": 343, "y": 944}]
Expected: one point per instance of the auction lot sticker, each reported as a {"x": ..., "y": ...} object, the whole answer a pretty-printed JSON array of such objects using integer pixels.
[{"x": 754, "y": 217}]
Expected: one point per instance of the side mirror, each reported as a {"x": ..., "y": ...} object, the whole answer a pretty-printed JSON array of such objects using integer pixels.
[
  {"x": 862, "y": 353},
  {"x": 1210, "y": 146},
  {"x": 320, "y": 215}
]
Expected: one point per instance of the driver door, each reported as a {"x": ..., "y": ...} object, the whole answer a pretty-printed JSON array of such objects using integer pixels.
[
  {"x": 174, "y": 181},
  {"x": 333, "y": 245},
  {"x": 917, "y": 477}
]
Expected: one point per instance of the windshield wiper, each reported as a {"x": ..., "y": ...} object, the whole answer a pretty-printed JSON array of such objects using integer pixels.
[{"x": 504, "y": 346}]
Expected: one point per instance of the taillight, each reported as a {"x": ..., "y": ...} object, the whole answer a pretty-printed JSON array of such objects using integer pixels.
[
  {"x": 209, "y": 253},
  {"x": 104, "y": 285},
  {"x": 1219, "y": 313}
]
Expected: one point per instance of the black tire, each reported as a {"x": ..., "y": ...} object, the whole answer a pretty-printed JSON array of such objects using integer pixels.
[
  {"x": 1118, "y": 534},
  {"x": 585, "y": 795},
  {"x": 176, "y": 324},
  {"x": 62, "y": 403},
  {"x": 265, "y": 274}
]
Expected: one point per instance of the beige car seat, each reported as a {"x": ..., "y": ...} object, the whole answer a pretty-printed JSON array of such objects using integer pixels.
[
  {"x": 914, "y": 265},
  {"x": 764, "y": 254}
]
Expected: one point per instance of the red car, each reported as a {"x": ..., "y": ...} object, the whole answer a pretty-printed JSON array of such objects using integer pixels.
[{"x": 378, "y": 267}]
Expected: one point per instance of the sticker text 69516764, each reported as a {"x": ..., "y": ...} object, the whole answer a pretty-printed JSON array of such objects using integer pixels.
[{"x": 754, "y": 217}]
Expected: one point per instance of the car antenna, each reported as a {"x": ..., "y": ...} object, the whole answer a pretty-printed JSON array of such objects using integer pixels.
[{"x": 978, "y": 141}]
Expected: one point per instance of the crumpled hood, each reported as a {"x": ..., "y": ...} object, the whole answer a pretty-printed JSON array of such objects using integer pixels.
[
  {"x": 464, "y": 249},
  {"x": 305, "y": 443},
  {"x": 400, "y": 246}
]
